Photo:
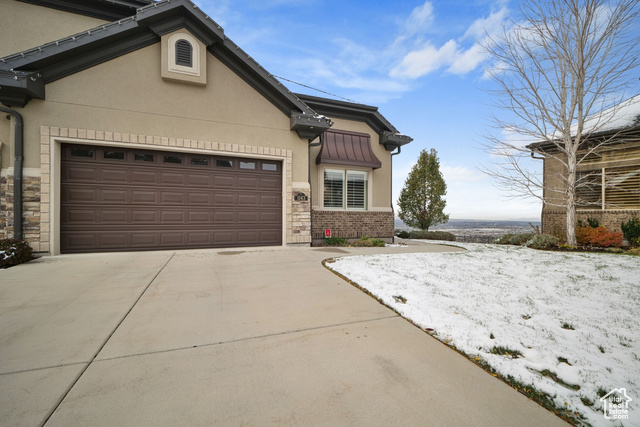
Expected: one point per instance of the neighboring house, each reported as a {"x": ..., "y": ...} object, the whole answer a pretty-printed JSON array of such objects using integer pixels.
[
  {"x": 608, "y": 173},
  {"x": 138, "y": 125}
]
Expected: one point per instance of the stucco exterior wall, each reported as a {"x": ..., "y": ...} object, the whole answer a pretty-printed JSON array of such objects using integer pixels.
[
  {"x": 128, "y": 95},
  {"x": 24, "y": 25}
]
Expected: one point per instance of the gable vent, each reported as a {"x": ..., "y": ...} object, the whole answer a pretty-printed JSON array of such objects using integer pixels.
[{"x": 184, "y": 53}]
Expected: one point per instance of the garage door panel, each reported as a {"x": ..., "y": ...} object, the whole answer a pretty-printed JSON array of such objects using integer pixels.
[
  {"x": 200, "y": 180},
  {"x": 114, "y": 216},
  {"x": 224, "y": 181},
  {"x": 173, "y": 217},
  {"x": 173, "y": 198},
  {"x": 79, "y": 215},
  {"x": 139, "y": 197},
  {"x": 77, "y": 173},
  {"x": 271, "y": 183},
  {"x": 270, "y": 200},
  {"x": 144, "y": 177},
  {"x": 144, "y": 216},
  {"x": 224, "y": 199},
  {"x": 177, "y": 179},
  {"x": 111, "y": 175},
  {"x": 80, "y": 195},
  {"x": 199, "y": 198},
  {"x": 144, "y": 240},
  {"x": 118, "y": 203},
  {"x": 114, "y": 240},
  {"x": 113, "y": 196}
]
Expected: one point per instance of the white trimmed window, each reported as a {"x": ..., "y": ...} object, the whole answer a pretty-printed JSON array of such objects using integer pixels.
[{"x": 345, "y": 189}]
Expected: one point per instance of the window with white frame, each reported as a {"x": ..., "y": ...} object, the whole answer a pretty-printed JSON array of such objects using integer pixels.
[{"x": 345, "y": 189}]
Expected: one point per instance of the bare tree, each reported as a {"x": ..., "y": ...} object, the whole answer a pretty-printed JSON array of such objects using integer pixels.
[{"x": 561, "y": 72}]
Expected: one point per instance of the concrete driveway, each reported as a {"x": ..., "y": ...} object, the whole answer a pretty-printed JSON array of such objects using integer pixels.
[{"x": 227, "y": 337}]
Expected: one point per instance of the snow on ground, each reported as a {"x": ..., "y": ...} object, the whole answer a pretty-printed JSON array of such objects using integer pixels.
[{"x": 527, "y": 301}]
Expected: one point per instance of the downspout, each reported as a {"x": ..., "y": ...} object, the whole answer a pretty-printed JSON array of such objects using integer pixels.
[
  {"x": 17, "y": 173},
  {"x": 311, "y": 144},
  {"x": 393, "y": 237}
]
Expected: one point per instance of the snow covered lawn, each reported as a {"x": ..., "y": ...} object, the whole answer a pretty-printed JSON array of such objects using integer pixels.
[{"x": 558, "y": 321}]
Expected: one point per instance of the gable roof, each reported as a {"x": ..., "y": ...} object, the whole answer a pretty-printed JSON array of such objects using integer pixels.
[{"x": 23, "y": 75}]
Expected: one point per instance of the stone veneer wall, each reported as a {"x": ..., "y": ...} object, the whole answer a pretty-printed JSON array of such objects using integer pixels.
[
  {"x": 30, "y": 209},
  {"x": 554, "y": 222},
  {"x": 298, "y": 217},
  {"x": 352, "y": 224},
  {"x": 300, "y": 225}
]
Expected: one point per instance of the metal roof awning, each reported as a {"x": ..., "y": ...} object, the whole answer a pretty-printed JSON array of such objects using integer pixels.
[{"x": 347, "y": 148}]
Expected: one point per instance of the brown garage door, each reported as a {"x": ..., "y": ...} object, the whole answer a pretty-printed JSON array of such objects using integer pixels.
[{"x": 126, "y": 199}]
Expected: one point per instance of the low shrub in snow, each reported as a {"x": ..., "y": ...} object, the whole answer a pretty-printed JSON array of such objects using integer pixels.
[
  {"x": 631, "y": 231},
  {"x": 14, "y": 252},
  {"x": 543, "y": 241},
  {"x": 403, "y": 234},
  {"x": 598, "y": 237},
  {"x": 515, "y": 239},
  {"x": 432, "y": 235}
]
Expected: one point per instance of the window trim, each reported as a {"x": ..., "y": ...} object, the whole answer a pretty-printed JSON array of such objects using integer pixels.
[
  {"x": 607, "y": 191},
  {"x": 345, "y": 192}
]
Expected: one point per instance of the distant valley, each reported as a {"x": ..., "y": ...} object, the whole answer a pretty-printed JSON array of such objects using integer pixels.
[{"x": 479, "y": 231}]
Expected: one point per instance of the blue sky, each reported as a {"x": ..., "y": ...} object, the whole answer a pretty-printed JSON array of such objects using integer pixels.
[{"x": 418, "y": 61}]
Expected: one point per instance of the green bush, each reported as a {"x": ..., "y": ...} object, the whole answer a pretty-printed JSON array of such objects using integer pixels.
[
  {"x": 403, "y": 234},
  {"x": 334, "y": 241},
  {"x": 368, "y": 242},
  {"x": 14, "y": 252},
  {"x": 514, "y": 239},
  {"x": 543, "y": 241},
  {"x": 432, "y": 235},
  {"x": 631, "y": 231}
]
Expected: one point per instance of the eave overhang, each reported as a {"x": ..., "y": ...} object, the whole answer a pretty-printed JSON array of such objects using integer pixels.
[
  {"x": 393, "y": 140},
  {"x": 390, "y": 138},
  {"x": 108, "y": 10},
  {"x": 309, "y": 126},
  {"x": 18, "y": 88},
  {"x": 605, "y": 137}
]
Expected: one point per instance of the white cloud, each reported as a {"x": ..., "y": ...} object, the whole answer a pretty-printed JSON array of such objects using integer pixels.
[
  {"x": 456, "y": 56},
  {"x": 461, "y": 174},
  {"x": 421, "y": 17},
  {"x": 430, "y": 58}
]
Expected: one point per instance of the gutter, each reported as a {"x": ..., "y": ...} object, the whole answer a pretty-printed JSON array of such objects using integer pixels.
[{"x": 17, "y": 172}]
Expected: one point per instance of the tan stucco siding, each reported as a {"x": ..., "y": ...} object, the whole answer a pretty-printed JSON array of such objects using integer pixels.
[
  {"x": 379, "y": 179},
  {"x": 23, "y": 25},
  {"x": 128, "y": 95}
]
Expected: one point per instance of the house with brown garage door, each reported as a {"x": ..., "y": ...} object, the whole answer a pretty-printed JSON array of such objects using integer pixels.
[{"x": 138, "y": 125}]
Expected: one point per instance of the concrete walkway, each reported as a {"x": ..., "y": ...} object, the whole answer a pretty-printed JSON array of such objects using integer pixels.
[{"x": 227, "y": 337}]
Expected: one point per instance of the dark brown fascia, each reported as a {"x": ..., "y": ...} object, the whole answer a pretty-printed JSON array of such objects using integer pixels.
[
  {"x": 108, "y": 10},
  {"x": 622, "y": 136},
  {"x": 391, "y": 140}
]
